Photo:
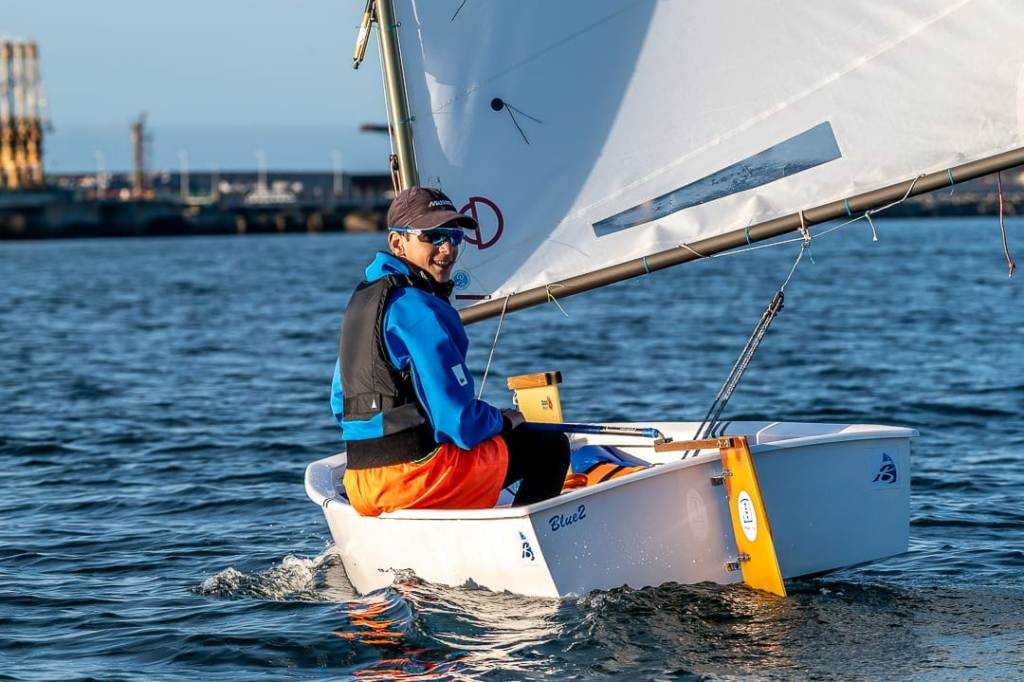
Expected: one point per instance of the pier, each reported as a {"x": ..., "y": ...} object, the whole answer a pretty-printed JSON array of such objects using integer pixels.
[{"x": 197, "y": 203}]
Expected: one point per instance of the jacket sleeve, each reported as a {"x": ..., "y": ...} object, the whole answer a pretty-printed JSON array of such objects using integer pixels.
[
  {"x": 417, "y": 335},
  {"x": 337, "y": 397}
]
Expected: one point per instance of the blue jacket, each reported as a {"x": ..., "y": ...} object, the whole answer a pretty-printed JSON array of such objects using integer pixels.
[{"x": 424, "y": 333}]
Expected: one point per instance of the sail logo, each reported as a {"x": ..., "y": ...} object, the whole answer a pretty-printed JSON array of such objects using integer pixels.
[
  {"x": 490, "y": 223},
  {"x": 460, "y": 279},
  {"x": 527, "y": 550},
  {"x": 886, "y": 472}
]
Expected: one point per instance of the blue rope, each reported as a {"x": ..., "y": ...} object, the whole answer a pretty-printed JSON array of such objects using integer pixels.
[
  {"x": 647, "y": 270},
  {"x": 746, "y": 233},
  {"x": 949, "y": 172},
  {"x": 846, "y": 203}
]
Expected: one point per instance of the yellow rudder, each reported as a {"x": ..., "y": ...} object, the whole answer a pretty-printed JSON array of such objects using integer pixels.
[{"x": 757, "y": 559}]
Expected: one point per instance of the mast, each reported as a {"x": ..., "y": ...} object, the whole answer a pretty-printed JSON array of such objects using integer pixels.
[
  {"x": 394, "y": 88},
  {"x": 848, "y": 207}
]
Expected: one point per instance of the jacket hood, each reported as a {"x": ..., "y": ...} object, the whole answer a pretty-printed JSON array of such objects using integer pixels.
[{"x": 385, "y": 264}]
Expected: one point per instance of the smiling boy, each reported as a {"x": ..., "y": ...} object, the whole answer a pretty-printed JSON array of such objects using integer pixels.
[{"x": 417, "y": 436}]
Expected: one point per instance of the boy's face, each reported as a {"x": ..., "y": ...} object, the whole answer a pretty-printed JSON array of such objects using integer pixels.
[{"x": 436, "y": 260}]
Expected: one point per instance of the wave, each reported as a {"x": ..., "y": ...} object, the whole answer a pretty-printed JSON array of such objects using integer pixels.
[{"x": 293, "y": 579}]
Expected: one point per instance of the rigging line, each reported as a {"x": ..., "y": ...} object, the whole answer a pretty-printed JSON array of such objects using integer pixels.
[
  {"x": 551, "y": 297},
  {"x": 494, "y": 344},
  {"x": 713, "y": 416},
  {"x": 864, "y": 216},
  {"x": 805, "y": 232},
  {"x": 516, "y": 123},
  {"x": 803, "y": 247},
  {"x": 874, "y": 232},
  {"x": 694, "y": 251},
  {"x": 520, "y": 111},
  {"x": 387, "y": 100},
  {"x": 458, "y": 10},
  {"x": 746, "y": 356},
  {"x": 1011, "y": 266}
]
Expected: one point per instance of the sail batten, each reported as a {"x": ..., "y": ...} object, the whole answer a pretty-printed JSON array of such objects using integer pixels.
[{"x": 628, "y": 127}]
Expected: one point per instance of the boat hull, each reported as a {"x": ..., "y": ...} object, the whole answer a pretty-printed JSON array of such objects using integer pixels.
[{"x": 833, "y": 500}]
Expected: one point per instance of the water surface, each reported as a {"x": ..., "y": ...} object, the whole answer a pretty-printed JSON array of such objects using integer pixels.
[{"x": 161, "y": 399}]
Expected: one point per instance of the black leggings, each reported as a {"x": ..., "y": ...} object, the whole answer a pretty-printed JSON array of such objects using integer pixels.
[{"x": 540, "y": 459}]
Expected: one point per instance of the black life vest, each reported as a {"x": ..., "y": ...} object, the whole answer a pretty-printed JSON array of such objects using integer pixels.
[{"x": 376, "y": 393}]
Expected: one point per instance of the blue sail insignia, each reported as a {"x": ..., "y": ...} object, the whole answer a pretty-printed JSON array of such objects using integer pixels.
[{"x": 808, "y": 149}]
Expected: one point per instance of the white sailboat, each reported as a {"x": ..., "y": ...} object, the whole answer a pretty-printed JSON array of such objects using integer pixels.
[{"x": 601, "y": 140}]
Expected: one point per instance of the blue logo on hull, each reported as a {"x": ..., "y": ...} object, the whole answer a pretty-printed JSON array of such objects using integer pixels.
[
  {"x": 527, "y": 550},
  {"x": 886, "y": 472}
]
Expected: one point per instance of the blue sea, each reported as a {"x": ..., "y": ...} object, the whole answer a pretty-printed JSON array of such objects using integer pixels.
[{"x": 160, "y": 399}]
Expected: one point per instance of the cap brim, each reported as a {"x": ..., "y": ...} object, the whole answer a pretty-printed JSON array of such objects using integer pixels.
[{"x": 453, "y": 219}]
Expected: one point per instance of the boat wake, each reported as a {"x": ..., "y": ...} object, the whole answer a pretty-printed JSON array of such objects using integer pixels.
[
  {"x": 413, "y": 629},
  {"x": 317, "y": 579}
]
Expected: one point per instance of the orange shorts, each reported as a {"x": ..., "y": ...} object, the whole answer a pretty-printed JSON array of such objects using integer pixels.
[{"x": 448, "y": 478}]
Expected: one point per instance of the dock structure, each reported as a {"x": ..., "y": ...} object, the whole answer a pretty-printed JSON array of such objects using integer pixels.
[
  {"x": 140, "y": 140},
  {"x": 23, "y": 116}
]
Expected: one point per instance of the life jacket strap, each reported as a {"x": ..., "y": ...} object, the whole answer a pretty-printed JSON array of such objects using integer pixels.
[{"x": 398, "y": 448}]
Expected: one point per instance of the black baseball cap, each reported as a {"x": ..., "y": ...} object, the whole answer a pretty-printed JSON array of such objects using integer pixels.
[{"x": 425, "y": 208}]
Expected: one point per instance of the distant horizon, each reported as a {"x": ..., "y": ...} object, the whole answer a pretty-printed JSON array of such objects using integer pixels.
[{"x": 74, "y": 148}]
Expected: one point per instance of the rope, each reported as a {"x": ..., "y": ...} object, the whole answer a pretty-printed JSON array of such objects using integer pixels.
[
  {"x": 516, "y": 124},
  {"x": 803, "y": 247},
  {"x": 874, "y": 232},
  {"x": 864, "y": 216},
  {"x": 551, "y": 297},
  {"x": 458, "y": 10},
  {"x": 694, "y": 251},
  {"x": 494, "y": 344},
  {"x": 1011, "y": 266},
  {"x": 805, "y": 233}
]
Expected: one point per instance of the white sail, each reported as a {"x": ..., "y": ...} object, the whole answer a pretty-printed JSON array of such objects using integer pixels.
[{"x": 606, "y": 130}]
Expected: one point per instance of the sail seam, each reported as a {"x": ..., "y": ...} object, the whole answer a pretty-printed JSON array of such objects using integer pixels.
[{"x": 529, "y": 58}]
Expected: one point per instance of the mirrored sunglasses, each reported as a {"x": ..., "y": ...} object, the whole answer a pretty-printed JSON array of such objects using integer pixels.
[{"x": 436, "y": 235}]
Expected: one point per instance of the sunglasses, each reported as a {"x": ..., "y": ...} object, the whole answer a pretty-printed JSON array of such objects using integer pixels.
[{"x": 435, "y": 235}]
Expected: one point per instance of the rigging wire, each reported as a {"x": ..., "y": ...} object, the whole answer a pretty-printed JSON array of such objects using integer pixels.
[
  {"x": 387, "y": 106},
  {"x": 1011, "y": 266},
  {"x": 713, "y": 416},
  {"x": 494, "y": 344},
  {"x": 458, "y": 10}
]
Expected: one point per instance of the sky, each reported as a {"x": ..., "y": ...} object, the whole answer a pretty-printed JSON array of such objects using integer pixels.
[{"x": 219, "y": 80}]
